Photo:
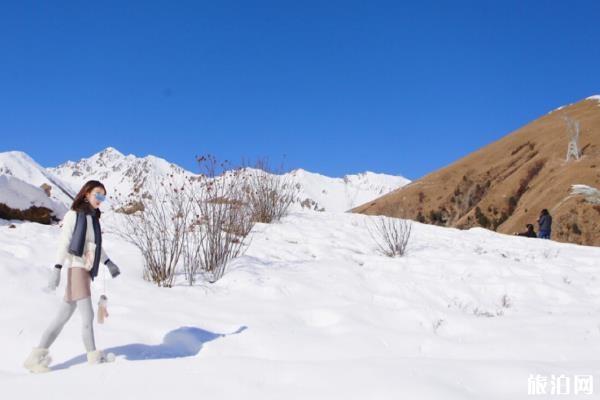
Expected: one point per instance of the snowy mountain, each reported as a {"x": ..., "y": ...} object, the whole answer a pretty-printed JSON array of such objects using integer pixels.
[
  {"x": 26, "y": 185},
  {"x": 120, "y": 174},
  {"x": 312, "y": 311},
  {"x": 124, "y": 174},
  {"x": 19, "y": 165},
  {"x": 321, "y": 192},
  {"x": 21, "y": 196}
]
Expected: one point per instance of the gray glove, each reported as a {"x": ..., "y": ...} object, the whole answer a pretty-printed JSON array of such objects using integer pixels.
[
  {"x": 54, "y": 277},
  {"x": 112, "y": 267}
]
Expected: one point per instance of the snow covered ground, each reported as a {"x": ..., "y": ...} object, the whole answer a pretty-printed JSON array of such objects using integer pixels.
[{"x": 311, "y": 311}]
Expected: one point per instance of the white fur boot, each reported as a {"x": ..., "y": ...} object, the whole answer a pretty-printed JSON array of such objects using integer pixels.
[
  {"x": 38, "y": 360},
  {"x": 98, "y": 357}
]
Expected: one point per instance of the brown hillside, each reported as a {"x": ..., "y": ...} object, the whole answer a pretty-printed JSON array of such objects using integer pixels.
[{"x": 504, "y": 185}]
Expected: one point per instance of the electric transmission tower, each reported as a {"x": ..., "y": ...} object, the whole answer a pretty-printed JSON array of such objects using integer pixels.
[{"x": 573, "y": 132}]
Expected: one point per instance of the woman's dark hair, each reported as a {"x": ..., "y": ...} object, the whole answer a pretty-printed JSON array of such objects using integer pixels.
[
  {"x": 80, "y": 203},
  {"x": 545, "y": 211}
]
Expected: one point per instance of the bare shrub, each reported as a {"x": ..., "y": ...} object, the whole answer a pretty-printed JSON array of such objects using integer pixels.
[
  {"x": 222, "y": 220},
  {"x": 268, "y": 194},
  {"x": 158, "y": 228},
  {"x": 391, "y": 235}
]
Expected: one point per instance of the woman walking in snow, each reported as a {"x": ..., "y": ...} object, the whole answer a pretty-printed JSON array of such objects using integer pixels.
[{"x": 80, "y": 248}]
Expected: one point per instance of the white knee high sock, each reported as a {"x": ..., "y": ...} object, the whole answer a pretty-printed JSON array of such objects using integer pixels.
[{"x": 64, "y": 313}]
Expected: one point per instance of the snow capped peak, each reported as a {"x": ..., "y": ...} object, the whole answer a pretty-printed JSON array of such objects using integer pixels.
[
  {"x": 298, "y": 171},
  {"x": 108, "y": 155},
  {"x": 595, "y": 98},
  {"x": 21, "y": 166},
  {"x": 17, "y": 163},
  {"x": 374, "y": 177},
  {"x": 112, "y": 152},
  {"x": 121, "y": 174},
  {"x": 164, "y": 165},
  {"x": 345, "y": 193},
  {"x": 302, "y": 173},
  {"x": 126, "y": 174},
  {"x": 15, "y": 153}
]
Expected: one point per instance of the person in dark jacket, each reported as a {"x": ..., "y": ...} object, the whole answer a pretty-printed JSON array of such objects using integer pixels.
[
  {"x": 545, "y": 224},
  {"x": 530, "y": 232}
]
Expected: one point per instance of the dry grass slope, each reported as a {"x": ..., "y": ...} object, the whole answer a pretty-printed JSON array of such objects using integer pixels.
[{"x": 504, "y": 185}]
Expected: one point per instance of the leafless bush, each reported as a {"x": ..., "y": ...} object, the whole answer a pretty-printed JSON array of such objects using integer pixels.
[
  {"x": 159, "y": 228},
  {"x": 391, "y": 235},
  {"x": 268, "y": 194},
  {"x": 222, "y": 220}
]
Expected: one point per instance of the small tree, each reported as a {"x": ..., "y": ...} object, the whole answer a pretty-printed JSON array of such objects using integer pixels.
[{"x": 391, "y": 235}]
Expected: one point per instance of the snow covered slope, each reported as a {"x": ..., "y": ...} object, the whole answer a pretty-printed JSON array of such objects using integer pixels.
[
  {"x": 24, "y": 183},
  {"x": 21, "y": 195},
  {"x": 23, "y": 167},
  {"x": 342, "y": 194},
  {"x": 595, "y": 97},
  {"x": 123, "y": 174},
  {"x": 311, "y": 311}
]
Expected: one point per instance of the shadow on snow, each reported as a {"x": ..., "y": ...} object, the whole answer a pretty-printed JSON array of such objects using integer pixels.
[{"x": 182, "y": 342}]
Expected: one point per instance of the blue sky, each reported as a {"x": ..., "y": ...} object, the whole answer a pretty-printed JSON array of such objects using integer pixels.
[{"x": 335, "y": 87}]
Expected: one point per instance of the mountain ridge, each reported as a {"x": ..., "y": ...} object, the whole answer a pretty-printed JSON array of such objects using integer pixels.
[
  {"x": 125, "y": 174},
  {"x": 504, "y": 185}
]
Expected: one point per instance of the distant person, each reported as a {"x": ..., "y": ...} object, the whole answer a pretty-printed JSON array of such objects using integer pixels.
[
  {"x": 545, "y": 224},
  {"x": 530, "y": 232}
]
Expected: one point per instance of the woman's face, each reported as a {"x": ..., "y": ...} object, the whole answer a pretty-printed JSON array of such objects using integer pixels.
[{"x": 95, "y": 197}]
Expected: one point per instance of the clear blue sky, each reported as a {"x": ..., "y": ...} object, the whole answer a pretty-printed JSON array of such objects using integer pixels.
[{"x": 336, "y": 86}]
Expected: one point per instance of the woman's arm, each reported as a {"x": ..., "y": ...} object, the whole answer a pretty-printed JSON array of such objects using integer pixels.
[
  {"x": 103, "y": 256},
  {"x": 65, "y": 238},
  {"x": 112, "y": 267}
]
